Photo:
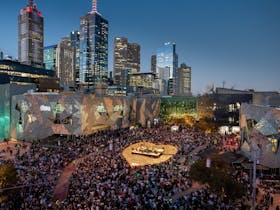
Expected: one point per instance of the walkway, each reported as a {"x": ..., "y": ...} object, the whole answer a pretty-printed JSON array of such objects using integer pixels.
[
  {"x": 62, "y": 186},
  {"x": 195, "y": 186}
]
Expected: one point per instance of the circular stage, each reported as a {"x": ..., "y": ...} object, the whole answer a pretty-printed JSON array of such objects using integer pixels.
[{"x": 142, "y": 160}]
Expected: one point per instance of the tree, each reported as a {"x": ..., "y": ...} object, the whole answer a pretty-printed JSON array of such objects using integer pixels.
[
  {"x": 218, "y": 177},
  {"x": 8, "y": 178}
]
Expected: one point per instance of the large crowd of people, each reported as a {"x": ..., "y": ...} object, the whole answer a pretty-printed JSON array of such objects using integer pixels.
[{"x": 104, "y": 180}]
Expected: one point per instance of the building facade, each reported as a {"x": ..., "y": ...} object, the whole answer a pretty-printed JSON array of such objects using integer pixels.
[
  {"x": 12, "y": 72},
  {"x": 133, "y": 57},
  {"x": 167, "y": 69},
  {"x": 76, "y": 114},
  {"x": 7, "y": 91},
  {"x": 154, "y": 64},
  {"x": 143, "y": 79},
  {"x": 75, "y": 42},
  {"x": 126, "y": 59},
  {"x": 66, "y": 58},
  {"x": 184, "y": 80},
  {"x": 120, "y": 58},
  {"x": 31, "y": 35},
  {"x": 50, "y": 57},
  {"x": 93, "y": 49}
]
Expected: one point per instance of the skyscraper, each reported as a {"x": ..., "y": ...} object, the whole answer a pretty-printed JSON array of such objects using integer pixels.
[
  {"x": 75, "y": 42},
  {"x": 120, "y": 58},
  {"x": 154, "y": 63},
  {"x": 93, "y": 49},
  {"x": 1, "y": 55},
  {"x": 166, "y": 69},
  {"x": 50, "y": 57},
  {"x": 66, "y": 58},
  {"x": 184, "y": 80},
  {"x": 133, "y": 57},
  {"x": 126, "y": 59},
  {"x": 30, "y": 35}
]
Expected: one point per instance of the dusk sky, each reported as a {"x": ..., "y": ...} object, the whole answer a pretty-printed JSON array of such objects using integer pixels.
[{"x": 236, "y": 41}]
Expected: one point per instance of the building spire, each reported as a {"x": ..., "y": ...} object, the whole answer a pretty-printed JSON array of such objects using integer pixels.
[
  {"x": 31, "y": 3},
  {"x": 94, "y": 6}
]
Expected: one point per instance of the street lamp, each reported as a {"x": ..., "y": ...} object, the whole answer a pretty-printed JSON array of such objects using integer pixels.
[{"x": 255, "y": 153}]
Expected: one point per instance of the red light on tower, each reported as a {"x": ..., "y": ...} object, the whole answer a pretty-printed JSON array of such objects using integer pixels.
[
  {"x": 29, "y": 9},
  {"x": 39, "y": 14}
]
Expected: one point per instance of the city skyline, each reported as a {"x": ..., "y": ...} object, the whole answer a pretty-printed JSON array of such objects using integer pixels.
[{"x": 233, "y": 41}]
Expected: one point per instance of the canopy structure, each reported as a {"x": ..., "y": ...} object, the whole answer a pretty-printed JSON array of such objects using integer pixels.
[{"x": 260, "y": 132}]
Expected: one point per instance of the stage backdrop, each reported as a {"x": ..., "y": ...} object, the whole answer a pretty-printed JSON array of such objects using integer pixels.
[{"x": 39, "y": 115}]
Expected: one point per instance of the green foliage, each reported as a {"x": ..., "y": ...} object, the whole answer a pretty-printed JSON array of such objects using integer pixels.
[
  {"x": 205, "y": 107},
  {"x": 177, "y": 106},
  {"x": 8, "y": 178},
  {"x": 218, "y": 177}
]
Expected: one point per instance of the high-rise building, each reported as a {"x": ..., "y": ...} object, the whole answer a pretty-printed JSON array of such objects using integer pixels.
[
  {"x": 184, "y": 80},
  {"x": 1, "y": 55},
  {"x": 75, "y": 42},
  {"x": 50, "y": 57},
  {"x": 93, "y": 49},
  {"x": 133, "y": 57},
  {"x": 167, "y": 69},
  {"x": 120, "y": 58},
  {"x": 154, "y": 64},
  {"x": 30, "y": 35},
  {"x": 66, "y": 58},
  {"x": 126, "y": 59}
]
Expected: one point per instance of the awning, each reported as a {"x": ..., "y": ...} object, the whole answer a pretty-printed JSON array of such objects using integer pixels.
[{"x": 250, "y": 166}]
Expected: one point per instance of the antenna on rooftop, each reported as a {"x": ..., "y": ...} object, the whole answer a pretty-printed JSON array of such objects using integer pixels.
[
  {"x": 94, "y": 6},
  {"x": 31, "y": 3}
]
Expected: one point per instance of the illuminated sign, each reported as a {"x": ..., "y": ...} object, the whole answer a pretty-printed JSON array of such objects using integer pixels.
[{"x": 44, "y": 108}]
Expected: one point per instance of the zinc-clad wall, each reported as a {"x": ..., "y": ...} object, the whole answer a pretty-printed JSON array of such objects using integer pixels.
[{"x": 36, "y": 116}]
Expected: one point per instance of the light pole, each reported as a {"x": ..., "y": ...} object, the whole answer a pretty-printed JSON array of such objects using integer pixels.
[
  {"x": 255, "y": 153},
  {"x": 254, "y": 178}
]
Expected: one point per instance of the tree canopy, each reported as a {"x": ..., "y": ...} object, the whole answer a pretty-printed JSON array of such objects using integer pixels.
[
  {"x": 8, "y": 178},
  {"x": 218, "y": 177}
]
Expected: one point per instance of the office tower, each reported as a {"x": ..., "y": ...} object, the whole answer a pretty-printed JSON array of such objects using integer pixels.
[
  {"x": 120, "y": 58},
  {"x": 93, "y": 49},
  {"x": 30, "y": 35},
  {"x": 184, "y": 80},
  {"x": 75, "y": 42},
  {"x": 65, "y": 67},
  {"x": 133, "y": 57},
  {"x": 1, "y": 55},
  {"x": 126, "y": 59},
  {"x": 50, "y": 57},
  {"x": 154, "y": 63},
  {"x": 166, "y": 69}
]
